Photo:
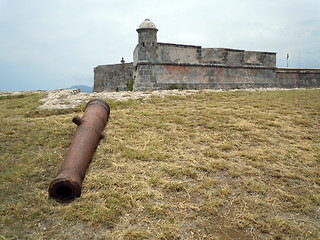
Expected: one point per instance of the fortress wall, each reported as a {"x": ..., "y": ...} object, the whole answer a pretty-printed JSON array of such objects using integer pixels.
[
  {"x": 144, "y": 77},
  {"x": 265, "y": 59},
  {"x": 233, "y": 57},
  {"x": 212, "y": 56},
  {"x": 176, "y": 53},
  {"x": 298, "y": 78},
  {"x": 136, "y": 56},
  {"x": 253, "y": 58},
  {"x": 112, "y": 77},
  {"x": 197, "y": 76},
  {"x": 201, "y": 76},
  {"x": 224, "y": 56}
]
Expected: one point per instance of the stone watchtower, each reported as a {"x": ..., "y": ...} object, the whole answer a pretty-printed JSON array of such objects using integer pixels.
[
  {"x": 145, "y": 54},
  {"x": 146, "y": 49}
]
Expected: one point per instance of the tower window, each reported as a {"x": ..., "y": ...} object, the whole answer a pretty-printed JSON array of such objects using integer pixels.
[{"x": 143, "y": 44}]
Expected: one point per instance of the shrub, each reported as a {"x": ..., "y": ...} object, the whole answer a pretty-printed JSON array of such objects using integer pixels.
[
  {"x": 130, "y": 84},
  {"x": 175, "y": 86}
]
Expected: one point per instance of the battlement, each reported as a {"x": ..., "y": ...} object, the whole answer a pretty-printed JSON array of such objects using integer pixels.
[{"x": 179, "y": 53}]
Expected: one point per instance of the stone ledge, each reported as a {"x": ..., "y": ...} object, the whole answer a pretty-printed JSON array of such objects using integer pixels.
[
  {"x": 298, "y": 70},
  {"x": 206, "y": 65}
]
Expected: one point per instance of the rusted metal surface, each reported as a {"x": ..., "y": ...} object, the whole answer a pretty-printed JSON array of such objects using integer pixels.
[{"x": 67, "y": 184}]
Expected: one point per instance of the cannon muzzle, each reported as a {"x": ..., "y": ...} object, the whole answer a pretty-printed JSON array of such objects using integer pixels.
[{"x": 67, "y": 184}]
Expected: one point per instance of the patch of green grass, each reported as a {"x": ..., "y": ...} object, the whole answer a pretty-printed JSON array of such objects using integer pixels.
[
  {"x": 227, "y": 165},
  {"x": 130, "y": 84},
  {"x": 175, "y": 86}
]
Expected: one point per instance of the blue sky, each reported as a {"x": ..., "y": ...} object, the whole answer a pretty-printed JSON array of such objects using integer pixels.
[{"x": 53, "y": 44}]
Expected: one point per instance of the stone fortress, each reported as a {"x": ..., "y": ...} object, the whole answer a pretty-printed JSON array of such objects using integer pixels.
[{"x": 158, "y": 66}]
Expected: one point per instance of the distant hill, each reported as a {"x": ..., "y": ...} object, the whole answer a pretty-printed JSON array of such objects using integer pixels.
[{"x": 83, "y": 88}]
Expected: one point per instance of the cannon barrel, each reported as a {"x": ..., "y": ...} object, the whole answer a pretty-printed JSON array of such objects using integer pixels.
[{"x": 67, "y": 184}]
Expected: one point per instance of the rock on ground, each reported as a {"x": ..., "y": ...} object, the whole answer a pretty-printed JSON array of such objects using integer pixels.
[{"x": 70, "y": 98}]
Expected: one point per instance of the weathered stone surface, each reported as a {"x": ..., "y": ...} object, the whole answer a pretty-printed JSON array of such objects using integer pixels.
[
  {"x": 177, "y": 53},
  {"x": 191, "y": 76},
  {"x": 298, "y": 78},
  {"x": 112, "y": 77}
]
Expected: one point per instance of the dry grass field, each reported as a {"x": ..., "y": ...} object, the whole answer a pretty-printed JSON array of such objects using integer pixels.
[{"x": 225, "y": 165}]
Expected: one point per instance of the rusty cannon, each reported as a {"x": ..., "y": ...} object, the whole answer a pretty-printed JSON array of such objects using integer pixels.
[{"x": 67, "y": 184}]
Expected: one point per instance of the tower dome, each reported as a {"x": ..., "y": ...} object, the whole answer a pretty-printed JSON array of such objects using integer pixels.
[
  {"x": 146, "y": 50},
  {"x": 147, "y": 24}
]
